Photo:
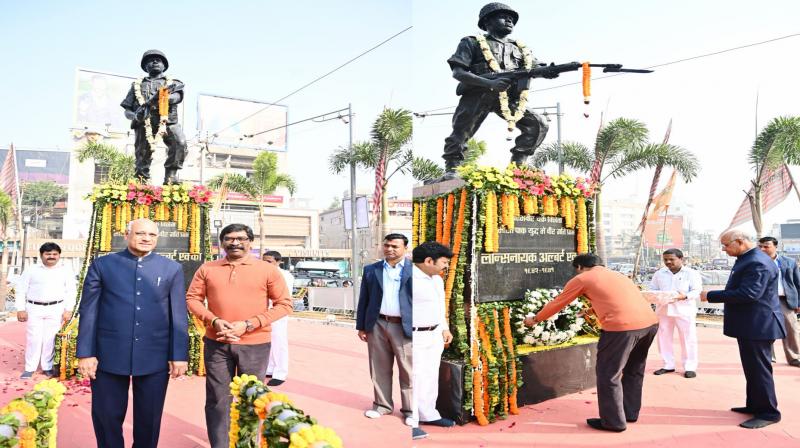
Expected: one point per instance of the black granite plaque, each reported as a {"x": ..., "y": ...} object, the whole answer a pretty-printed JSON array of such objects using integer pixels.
[
  {"x": 172, "y": 243},
  {"x": 537, "y": 253}
]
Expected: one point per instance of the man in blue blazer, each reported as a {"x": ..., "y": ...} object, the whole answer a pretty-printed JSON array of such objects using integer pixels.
[
  {"x": 384, "y": 323},
  {"x": 133, "y": 323},
  {"x": 788, "y": 284},
  {"x": 752, "y": 316}
]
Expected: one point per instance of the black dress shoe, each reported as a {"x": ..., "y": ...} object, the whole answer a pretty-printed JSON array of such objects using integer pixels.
[
  {"x": 755, "y": 423},
  {"x": 689, "y": 374},
  {"x": 795, "y": 363},
  {"x": 631, "y": 420},
  {"x": 443, "y": 422},
  {"x": 663, "y": 371},
  {"x": 275, "y": 382},
  {"x": 596, "y": 423},
  {"x": 743, "y": 410}
]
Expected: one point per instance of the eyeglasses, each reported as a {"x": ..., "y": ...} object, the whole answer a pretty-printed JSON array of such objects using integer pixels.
[
  {"x": 238, "y": 239},
  {"x": 144, "y": 234}
]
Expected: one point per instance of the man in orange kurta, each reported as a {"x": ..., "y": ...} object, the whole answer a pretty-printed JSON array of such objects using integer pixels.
[
  {"x": 629, "y": 326},
  {"x": 238, "y": 289}
]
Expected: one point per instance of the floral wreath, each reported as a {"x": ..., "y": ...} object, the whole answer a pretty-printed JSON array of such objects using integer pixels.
[
  {"x": 527, "y": 61},
  {"x": 163, "y": 112},
  {"x": 560, "y": 328}
]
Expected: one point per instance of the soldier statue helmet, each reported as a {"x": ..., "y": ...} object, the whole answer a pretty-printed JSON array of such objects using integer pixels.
[
  {"x": 492, "y": 8},
  {"x": 149, "y": 54}
]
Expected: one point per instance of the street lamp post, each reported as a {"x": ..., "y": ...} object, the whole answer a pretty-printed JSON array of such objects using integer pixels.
[
  {"x": 27, "y": 221},
  {"x": 217, "y": 226}
]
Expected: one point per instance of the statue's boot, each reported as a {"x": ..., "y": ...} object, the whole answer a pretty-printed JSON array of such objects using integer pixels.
[
  {"x": 519, "y": 159},
  {"x": 171, "y": 176},
  {"x": 142, "y": 176},
  {"x": 449, "y": 172}
]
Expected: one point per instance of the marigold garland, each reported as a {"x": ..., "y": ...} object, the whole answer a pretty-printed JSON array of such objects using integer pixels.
[
  {"x": 583, "y": 231},
  {"x": 512, "y": 359},
  {"x": 451, "y": 273},
  {"x": 423, "y": 222},
  {"x": 439, "y": 218},
  {"x": 448, "y": 219},
  {"x": 415, "y": 224},
  {"x": 527, "y": 63},
  {"x": 491, "y": 243},
  {"x": 587, "y": 79}
]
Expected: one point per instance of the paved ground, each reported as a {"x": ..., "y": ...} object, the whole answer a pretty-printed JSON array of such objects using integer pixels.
[
  {"x": 676, "y": 411},
  {"x": 328, "y": 378}
]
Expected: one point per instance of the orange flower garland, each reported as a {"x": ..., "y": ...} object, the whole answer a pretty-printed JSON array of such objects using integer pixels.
[
  {"x": 583, "y": 230},
  {"x": 530, "y": 204},
  {"x": 194, "y": 230},
  {"x": 477, "y": 386},
  {"x": 448, "y": 219},
  {"x": 439, "y": 218},
  {"x": 499, "y": 341},
  {"x": 423, "y": 222},
  {"x": 587, "y": 78},
  {"x": 198, "y": 324},
  {"x": 105, "y": 237},
  {"x": 568, "y": 212},
  {"x": 512, "y": 390},
  {"x": 451, "y": 273}
]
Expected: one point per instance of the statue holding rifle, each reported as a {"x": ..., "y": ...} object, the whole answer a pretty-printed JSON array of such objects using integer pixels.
[
  {"x": 152, "y": 106},
  {"x": 494, "y": 74}
]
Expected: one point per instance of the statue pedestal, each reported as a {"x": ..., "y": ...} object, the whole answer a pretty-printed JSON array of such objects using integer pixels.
[{"x": 546, "y": 375}]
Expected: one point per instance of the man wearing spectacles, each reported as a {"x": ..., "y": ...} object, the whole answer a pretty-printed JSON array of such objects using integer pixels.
[
  {"x": 752, "y": 316},
  {"x": 133, "y": 324},
  {"x": 238, "y": 319}
]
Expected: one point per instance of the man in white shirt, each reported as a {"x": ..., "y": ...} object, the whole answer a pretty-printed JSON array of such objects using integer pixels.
[
  {"x": 686, "y": 285},
  {"x": 431, "y": 332},
  {"x": 45, "y": 297},
  {"x": 278, "y": 367}
]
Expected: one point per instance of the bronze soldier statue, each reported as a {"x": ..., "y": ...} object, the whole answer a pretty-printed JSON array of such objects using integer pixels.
[
  {"x": 151, "y": 122},
  {"x": 481, "y": 55}
]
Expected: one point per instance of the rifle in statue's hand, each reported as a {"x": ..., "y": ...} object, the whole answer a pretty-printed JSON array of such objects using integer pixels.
[{"x": 549, "y": 71}]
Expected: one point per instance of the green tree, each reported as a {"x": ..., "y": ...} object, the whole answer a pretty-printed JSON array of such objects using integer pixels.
[
  {"x": 423, "y": 169},
  {"x": 777, "y": 144},
  {"x": 386, "y": 151},
  {"x": 265, "y": 180},
  {"x": 121, "y": 167},
  {"x": 620, "y": 149},
  {"x": 6, "y": 216},
  {"x": 38, "y": 198}
]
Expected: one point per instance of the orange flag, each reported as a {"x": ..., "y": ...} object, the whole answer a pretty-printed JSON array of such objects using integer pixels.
[{"x": 662, "y": 199}]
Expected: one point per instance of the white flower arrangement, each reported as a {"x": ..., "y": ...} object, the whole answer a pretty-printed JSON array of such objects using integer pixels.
[{"x": 560, "y": 328}]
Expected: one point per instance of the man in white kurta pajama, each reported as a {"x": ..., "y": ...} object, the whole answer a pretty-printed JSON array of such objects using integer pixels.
[
  {"x": 45, "y": 297},
  {"x": 278, "y": 367},
  {"x": 687, "y": 284},
  {"x": 431, "y": 332}
]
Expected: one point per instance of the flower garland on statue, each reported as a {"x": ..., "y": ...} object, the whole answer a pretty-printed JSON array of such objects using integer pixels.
[
  {"x": 562, "y": 327},
  {"x": 415, "y": 224},
  {"x": 512, "y": 117},
  {"x": 163, "y": 111}
]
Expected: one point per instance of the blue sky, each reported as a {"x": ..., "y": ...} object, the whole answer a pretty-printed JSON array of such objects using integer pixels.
[
  {"x": 263, "y": 50},
  {"x": 256, "y": 50}
]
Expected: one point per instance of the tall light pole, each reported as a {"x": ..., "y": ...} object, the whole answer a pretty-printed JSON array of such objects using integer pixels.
[
  {"x": 27, "y": 221},
  {"x": 353, "y": 234}
]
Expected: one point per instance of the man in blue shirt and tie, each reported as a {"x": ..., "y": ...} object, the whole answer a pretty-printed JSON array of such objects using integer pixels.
[{"x": 384, "y": 323}]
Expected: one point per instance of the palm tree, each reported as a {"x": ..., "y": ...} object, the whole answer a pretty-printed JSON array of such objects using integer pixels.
[
  {"x": 264, "y": 181},
  {"x": 423, "y": 169},
  {"x": 121, "y": 167},
  {"x": 777, "y": 144},
  {"x": 391, "y": 133},
  {"x": 6, "y": 215},
  {"x": 621, "y": 148}
]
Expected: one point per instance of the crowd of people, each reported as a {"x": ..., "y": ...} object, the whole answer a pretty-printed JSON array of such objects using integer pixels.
[{"x": 134, "y": 328}]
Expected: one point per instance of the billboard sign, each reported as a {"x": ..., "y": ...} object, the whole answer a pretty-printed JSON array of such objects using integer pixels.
[
  {"x": 234, "y": 119},
  {"x": 664, "y": 232}
]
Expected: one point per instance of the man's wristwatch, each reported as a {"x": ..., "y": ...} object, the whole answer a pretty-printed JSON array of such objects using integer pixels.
[{"x": 250, "y": 326}]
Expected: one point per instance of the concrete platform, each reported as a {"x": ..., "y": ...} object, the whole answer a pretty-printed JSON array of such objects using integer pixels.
[
  {"x": 676, "y": 412},
  {"x": 328, "y": 378}
]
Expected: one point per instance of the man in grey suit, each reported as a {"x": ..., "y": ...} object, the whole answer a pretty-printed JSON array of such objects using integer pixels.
[
  {"x": 788, "y": 284},
  {"x": 384, "y": 323}
]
